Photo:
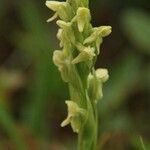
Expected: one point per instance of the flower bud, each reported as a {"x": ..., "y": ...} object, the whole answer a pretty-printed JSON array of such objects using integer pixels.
[
  {"x": 94, "y": 88},
  {"x": 102, "y": 74},
  {"x": 76, "y": 116},
  {"x": 95, "y": 83},
  {"x": 85, "y": 55},
  {"x": 58, "y": 58},
  {"x": 62, "y": 63}
]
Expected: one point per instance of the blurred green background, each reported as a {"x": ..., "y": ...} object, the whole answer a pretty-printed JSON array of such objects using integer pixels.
[{"x": 31, "y": 91}]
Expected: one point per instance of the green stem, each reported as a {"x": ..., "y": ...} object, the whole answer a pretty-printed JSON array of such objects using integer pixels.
[{"x": 87, "y": 137}]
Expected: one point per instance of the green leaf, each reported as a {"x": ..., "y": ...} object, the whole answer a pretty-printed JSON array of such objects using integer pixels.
[
  {"x": 136, "y": 24},
  {"x": 36, "y": 43}
]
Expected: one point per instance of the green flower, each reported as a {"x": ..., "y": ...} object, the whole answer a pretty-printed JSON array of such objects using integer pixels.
[
  {"x": 85, "y": 55},
  {"x": 102, "y": 75},
  {"x": 97, "y": 36},
  {"x": 76, "y": 116},
  {"x": 83, "y": 18},
  {"x": 62, "y": 9},
  {"x": 66, "y": 30},
  {"x": 95, "y": 83},
  {"x": 62, "y": 62}
]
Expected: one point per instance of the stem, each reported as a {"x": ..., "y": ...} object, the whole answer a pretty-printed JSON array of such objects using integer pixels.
[
  {"x": 96, "y": 125},
  {"x": 87, "y": 137}
]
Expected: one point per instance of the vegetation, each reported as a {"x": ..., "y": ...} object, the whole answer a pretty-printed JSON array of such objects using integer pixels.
[{"x": 31, "y": 91}]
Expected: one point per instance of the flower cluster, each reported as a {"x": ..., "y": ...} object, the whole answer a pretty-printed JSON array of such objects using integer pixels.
[{"x": 79, "y": 48}]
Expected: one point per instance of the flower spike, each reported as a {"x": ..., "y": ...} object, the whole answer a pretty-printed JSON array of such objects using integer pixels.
[{"x": 80, "y": 46}]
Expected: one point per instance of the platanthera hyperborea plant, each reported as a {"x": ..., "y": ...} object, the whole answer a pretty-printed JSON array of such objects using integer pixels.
[{"x": 79, "y": 47}]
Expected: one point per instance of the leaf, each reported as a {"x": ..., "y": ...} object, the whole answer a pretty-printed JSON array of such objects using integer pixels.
[
  {"x": 136, "y": 25},
  {"x": 36, "y": 43}
]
